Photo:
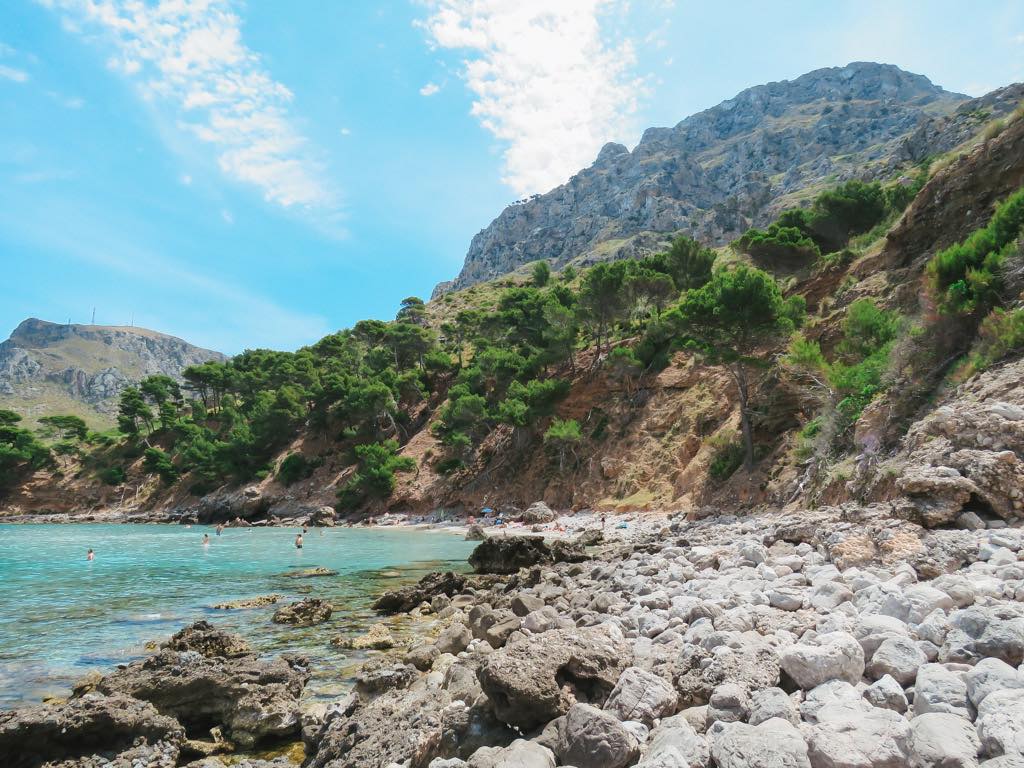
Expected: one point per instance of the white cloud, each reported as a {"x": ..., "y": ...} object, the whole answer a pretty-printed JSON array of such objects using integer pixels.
[
  {"x": 346, "y": 131},
  {"x": 429, "y": 89},
  {"x": 15, "y": 75},
  {"x": 188, "y": 57},
  {"x": 186, "y": 180},
  {"x": 74, "y": 102},
  {"x": 545, "y": 81}
]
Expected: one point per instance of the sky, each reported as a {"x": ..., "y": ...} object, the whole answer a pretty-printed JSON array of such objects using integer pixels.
[{"x": 262, "y": 173}]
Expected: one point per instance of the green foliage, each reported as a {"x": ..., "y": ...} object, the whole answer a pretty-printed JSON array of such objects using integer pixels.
[
  {"x": 133, "y": 413},
  {"x": 112, "y": 475},
  {"x": 157, "y": 462},
  {"x": 295, "y": 467},
  {"x": 562, "y": 438},
  {"x": 375, "y": 475},
  {"x": 727, "y": 458},
  {"x": 540, "y": 273},
  {"x": 412, "y": 311},
  {"x": 966, "y": 278},
  {"x": 1001, "y": 334},
  {"x": 728, "y": 320},
  {"x": 779, "y": 246},
  {"x": 20, "y": 451},
  {"x": 687, "y": 262},
  {"x": 64, "y": 427}
]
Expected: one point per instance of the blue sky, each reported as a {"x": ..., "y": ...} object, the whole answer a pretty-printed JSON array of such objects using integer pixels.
[{"x": 261, "y": 173}]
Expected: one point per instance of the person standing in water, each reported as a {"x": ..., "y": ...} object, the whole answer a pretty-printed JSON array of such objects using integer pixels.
[
  {"x": 220, "y": 528},
  {"x": 206, "y": 539},
  {"x": 298, "y": 541},
  {"x": 90, "y": 555}
]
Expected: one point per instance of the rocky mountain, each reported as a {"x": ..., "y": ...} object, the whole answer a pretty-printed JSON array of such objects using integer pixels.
[
  {"x": 730, "y": 167},
  {"x": 47, "y": 368}
]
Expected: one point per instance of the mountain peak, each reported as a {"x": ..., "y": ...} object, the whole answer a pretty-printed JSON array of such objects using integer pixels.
[
  {"x": 716, "y": 172},
  {"x": 48, "y": 368}
]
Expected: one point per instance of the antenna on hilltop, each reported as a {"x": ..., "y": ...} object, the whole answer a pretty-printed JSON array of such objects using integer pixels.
[
  {"x": 131, "y": 323},
  {"x": 94, "y": 316}
]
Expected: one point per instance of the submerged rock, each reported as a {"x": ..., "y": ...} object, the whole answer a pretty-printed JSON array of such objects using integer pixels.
[
  {"x": 377, "y": 638},
  {"x": 246, "y": 603},
  {"x": 309, "y": 573},
  {"x": 305, "y": 613}
]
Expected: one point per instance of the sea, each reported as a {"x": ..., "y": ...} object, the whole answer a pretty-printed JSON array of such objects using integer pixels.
[{"x": 62, "y": 615}]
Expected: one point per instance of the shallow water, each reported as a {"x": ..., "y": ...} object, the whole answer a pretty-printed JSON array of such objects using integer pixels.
[{"x": 62, "y": 616}]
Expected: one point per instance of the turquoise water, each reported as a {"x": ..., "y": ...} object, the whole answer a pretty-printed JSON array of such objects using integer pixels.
[{"x": 62, "y": 616}]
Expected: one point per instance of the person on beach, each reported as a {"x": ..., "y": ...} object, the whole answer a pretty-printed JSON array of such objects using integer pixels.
[
  {"x": 206, "y": 539},
  {"x": 298, "y": 541},
  {"x": 90, "y": 555}
]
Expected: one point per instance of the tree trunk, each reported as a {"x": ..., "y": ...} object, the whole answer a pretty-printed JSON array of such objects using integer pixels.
[{"x": 739, "y": 373}]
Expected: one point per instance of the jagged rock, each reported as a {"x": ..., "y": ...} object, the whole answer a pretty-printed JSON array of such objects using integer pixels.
[
  {"x": 886, "y": 693},
  {"x": 377, "y": 638},
  {"x": 507, "y": 554},
  {"x": 940, "y": 690},
  {"x": 675, "y": 743},
  {"x": 518, "y": 754},
  {"x": 590, "y": 738},
  {"x": 531, "y": 683},
  {"x": 384, "y": 677},
  {"x": 642, "y": 696},
  {"x": 990, "y": 675},
  {"x": 852, "y": 737},
  {"x": 590, "y": 537},
  {"x": 249, "y": 698},
  {"x": 454, "y": 639},
  {"x": 699, "y": 672},
  {"x": 538, "y": 512},
  {"x": 833, "y": 656},
  {"x": 771, "y": 703},
  {"x": 305, "y": 613},
  {"x": 475, "y": 532},
  {"x": 715, "y": 173},
  {"x": 423, "y": 591},
  {"x": 775, "y": 743},
  {"x": 206, "y": 640},
  {"x": 898, "y": 657},
  {"x": 1000, "y": 723},
  {"x": 94, "y": 724},
  {"x": 939, "y": 740}
]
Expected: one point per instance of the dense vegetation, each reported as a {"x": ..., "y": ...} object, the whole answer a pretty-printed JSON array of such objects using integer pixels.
[
  {"x": 488, "y": 377},
  {"x": 801, "y": 235}
]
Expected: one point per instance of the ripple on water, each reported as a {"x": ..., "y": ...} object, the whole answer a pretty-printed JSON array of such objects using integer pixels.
[{"x": 61, "y": 616}]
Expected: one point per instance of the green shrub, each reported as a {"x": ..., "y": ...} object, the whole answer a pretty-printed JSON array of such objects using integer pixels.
[
  {"x": 1001, "y": 333},
  {"x": 966, "y": 277},
  {"x": 779, "y": 246},
  {"x": 158, "y": 462},
  {"x": 562, "y": 439},
  {"x": 375, "y": 476},
  {"x": 727, "y": 458},
  {"x": 112, "y": 475},
  {"x": 295, "y": 467}
]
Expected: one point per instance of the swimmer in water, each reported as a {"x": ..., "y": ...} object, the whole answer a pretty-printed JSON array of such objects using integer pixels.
[
  {"x": 305, "y": 529},
  {"x": 298, "y": 541},
  {"x": 220, "y": 527},
  {"x": 206, "y": 539},
  {"x": 90, "y": 555}
]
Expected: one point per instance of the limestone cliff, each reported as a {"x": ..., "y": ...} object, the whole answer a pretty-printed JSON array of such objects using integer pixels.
[
  {"x": 46, "y": 368},
  {"x": 727, "y": 168}
]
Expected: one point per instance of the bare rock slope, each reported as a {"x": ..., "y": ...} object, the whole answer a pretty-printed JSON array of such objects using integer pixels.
[{"x": 48, "y": 368}]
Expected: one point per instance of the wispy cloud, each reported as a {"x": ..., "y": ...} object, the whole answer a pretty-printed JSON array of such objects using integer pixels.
[
  {"x": 13, "y": 74},
  {"x": 545, "y": 80},
  {"x": 188, "y": 57},
  {"x": 429, "y": 89}
]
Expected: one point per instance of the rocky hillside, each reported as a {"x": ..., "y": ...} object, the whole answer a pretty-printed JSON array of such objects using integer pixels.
[
  {"x": 46, "y": 368},
  {"x": 732, "y": 166}
]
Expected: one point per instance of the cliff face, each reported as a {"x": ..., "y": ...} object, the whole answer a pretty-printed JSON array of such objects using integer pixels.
[
  {"x": 725, "y": 169},
  {"x": 46, "y": 368}
]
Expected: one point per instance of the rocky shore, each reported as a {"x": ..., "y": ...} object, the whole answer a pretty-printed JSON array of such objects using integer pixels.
[{"x": 844, "y": 637}]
